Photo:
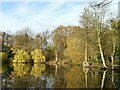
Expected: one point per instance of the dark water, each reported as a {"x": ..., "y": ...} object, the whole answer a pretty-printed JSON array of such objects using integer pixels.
[{"x": 67, "y": 76}]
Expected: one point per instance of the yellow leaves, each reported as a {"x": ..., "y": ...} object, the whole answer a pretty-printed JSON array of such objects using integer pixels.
[
  {"x": 37, "y": 56},
  {"x": 74, "y": 49},
  {"x": 36, "y": 51},
  {"x": 22, "y": 56},
  {"x": 21, "y": 70},
  {"x": 37, "y": 69},
  {"x": 75, "y": 78}
]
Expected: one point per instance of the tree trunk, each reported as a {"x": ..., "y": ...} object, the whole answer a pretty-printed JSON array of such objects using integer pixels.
[
  {"x": 113, "y": 78},
  {"x": 86, "y": 80},
  {"x": 56, "y": 69},
  {"x": 112, "y": 58},
  {"x": 85, "y": 63},
  {"x": 56, "y": 56},
  {"x": 86, "y": 70},
  {"x": 112, "y": 61},
  {"x": 101, "y": 52},
  {"x": 86, "y": 52}
]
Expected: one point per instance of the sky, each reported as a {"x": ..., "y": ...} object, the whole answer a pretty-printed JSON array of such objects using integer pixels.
[{"x": 42, "y": 15}]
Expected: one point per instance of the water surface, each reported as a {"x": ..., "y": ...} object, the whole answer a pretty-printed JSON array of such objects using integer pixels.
[{"x": 67, "y": 76}]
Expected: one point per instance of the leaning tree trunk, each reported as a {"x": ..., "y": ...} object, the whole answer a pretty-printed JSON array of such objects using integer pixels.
[{"x": 101, "y": 52}]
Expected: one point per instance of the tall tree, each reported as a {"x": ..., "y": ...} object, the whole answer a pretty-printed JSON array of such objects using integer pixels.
[
  {"x": 75, "y": 45},
  {"x": 59, "y": 40},
  {"x": 115, "y": 24},
  {"x": 23, "y": 40},
  {"x": 93, "y": 18}
]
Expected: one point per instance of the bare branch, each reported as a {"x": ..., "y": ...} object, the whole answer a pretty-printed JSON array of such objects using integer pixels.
[{"x": 101, "y": 4}]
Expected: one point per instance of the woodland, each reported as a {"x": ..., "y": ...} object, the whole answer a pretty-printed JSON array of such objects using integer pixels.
[{"x": 95, "y": 42}]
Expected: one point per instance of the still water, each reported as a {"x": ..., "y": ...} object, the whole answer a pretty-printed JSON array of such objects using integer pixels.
[{"x": 67, "y": 76}]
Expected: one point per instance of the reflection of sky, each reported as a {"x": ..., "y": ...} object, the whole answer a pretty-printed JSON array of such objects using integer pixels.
[
  {"x": 50, "y": 82},
  {"x": 40, "y": 16}
]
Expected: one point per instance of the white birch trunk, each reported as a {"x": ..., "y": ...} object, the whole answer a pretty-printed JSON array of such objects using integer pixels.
[
  {"x": 86, "y": 52},
  {"x": 56, "y": 69},
  {"x": 112, "y": 59},
  {"x": 56, "y": 58},
  {"x": 85, "y": 62},
  {"x": 101, "y": 53},
  {"x": 86, "y": 76},
  {"x": 103, "y": 79}
]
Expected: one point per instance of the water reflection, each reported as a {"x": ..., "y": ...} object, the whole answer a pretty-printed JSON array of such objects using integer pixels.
[
  {"x": 20, "y": 70},
  {"x": 75, "y": 78},
  {"x": 86, "y": 76},
  {"x": 68, "y": 76},
  {"x": 37, "y": 69},
  {"x": 103, "y": 79}
]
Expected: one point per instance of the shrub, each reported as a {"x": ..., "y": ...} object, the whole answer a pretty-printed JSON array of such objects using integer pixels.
[
  {"x": 22, "y": 56},
  {"x": 37, "y": 56}
]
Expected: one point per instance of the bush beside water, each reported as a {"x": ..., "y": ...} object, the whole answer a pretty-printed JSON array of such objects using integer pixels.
[{"x": 23, "y": 56}]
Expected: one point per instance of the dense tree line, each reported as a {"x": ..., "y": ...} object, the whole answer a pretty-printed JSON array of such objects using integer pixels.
[{"x": 96, "y": 40}]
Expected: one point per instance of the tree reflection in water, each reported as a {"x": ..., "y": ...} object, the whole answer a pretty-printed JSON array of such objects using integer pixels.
[
  {"x": 103, "y": 79},
  {"x": 26, "y": 75},
  {"x": 86, "y": 77},
  {"x": 69, "y": 76}
]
